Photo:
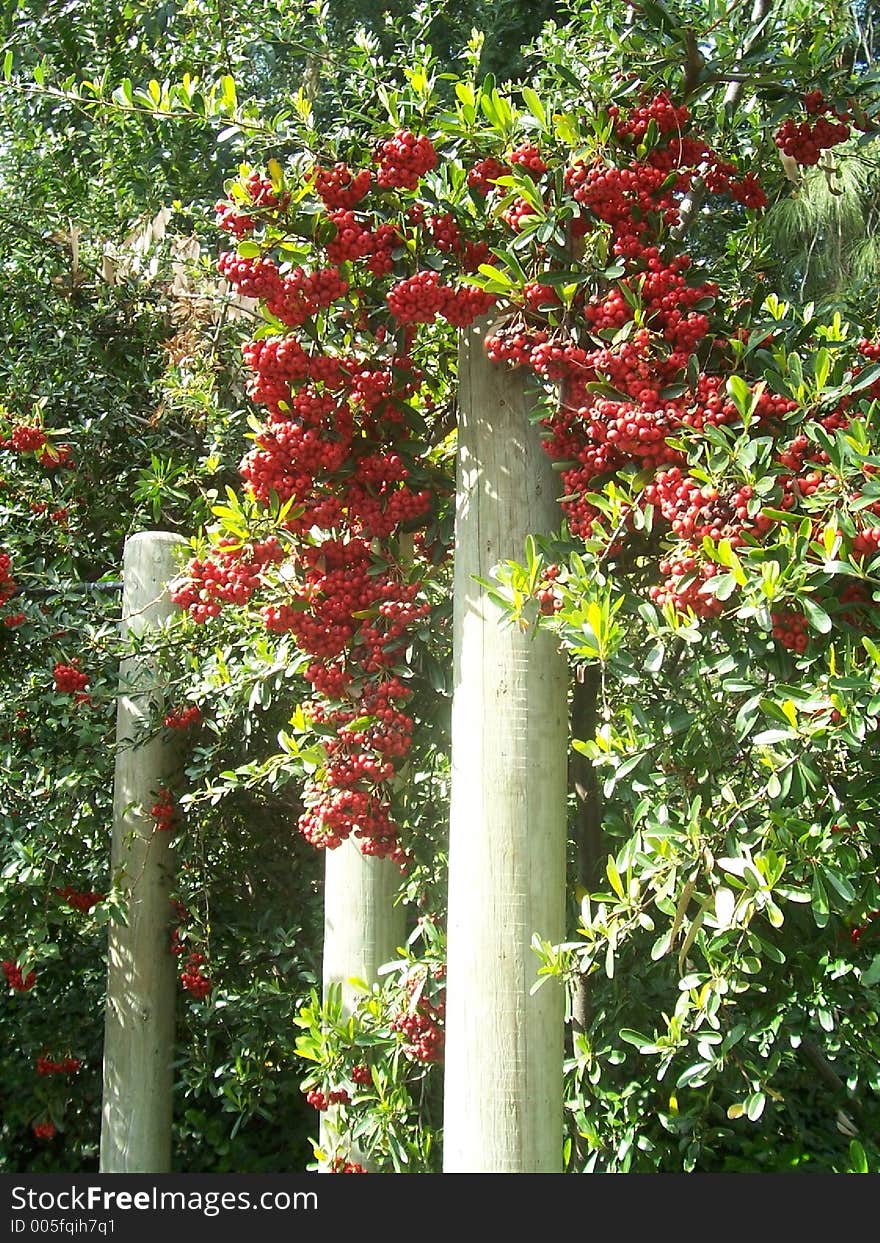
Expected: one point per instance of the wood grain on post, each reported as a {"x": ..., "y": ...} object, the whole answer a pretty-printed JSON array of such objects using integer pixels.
[
  {"x": 141, "y": 985},
  {"x": 503, "y": 1107}
]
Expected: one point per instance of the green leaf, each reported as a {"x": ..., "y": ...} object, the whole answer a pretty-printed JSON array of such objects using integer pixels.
[
  {"x": 755, "y": 1106},
  {"x": 654, "y": 659},
  {"x": 840, "y": 883},
  {"x": 858, "y": 1158},
  {"x": 534, "y": 105},
  {"x": 512, "y": 261},
  {"x": 871, "y": 648},
  {"x": 644, "y": 1044},
  {"x": 496, "y": 275},
  {"x": 871, "y": 974},
  {"x": 767, "y": 737},
  {"x": 609, "y": 960},
  {"x": 773, "y": 913},
  {"x": 822, "y": 366},
  {"x": 228, "y": 92},
  {"x": 816, "y": 615},
  {"x": 124, "y": 93},
  {"x": 740, "y": 394},
  {"x": 694, "y": 1075},
  {"x": 614, "y": 876},
  {"x": 819, "y": 901},
  {"x": 559, "y": 280},
  {"x": 866, "y": 378}
]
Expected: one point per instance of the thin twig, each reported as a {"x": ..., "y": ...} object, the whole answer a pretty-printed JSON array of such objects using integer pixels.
[{"x": 693, "y": 200}]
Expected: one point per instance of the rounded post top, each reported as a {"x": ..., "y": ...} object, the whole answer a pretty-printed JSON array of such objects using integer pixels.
[{"x": 155, "y": 537}]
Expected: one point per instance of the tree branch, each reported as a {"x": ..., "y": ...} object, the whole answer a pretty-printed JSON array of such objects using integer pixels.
[{"x": 693, "y": 200}]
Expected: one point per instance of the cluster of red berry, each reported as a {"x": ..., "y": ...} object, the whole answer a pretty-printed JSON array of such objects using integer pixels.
[
  {"x": 326, "y": 1100},
  {"x": 231, "y": 577},
  {"x": 183, "y": 718},
  {"x": 858, "y": 930},
  {"x": 695, "y": 511},
  {"x": 548, "y": 595},
  {"x": 67, "y": 1066},
  {"x": 403, "y": 160},
  {"x": 790, "y": 628},
  {"x": 804, "y": 141},
  {"x": 15, "y": 979},
  {"x": 25, "y": 438},
  {"x": 259, "y": 193},
  {"x": 178, "y": 945},
  {"x": 335, "y": 443},
  {"x": 71, "y": 680},
  {"x": 7, "y": 582},
  {"x": 421, "y": 1024},
  {"x": 78, "y": 900},
  {"x": 193, "y": 978},
  {"x": 52, "y": 456},
  {"x": 292, "y": 296},
  {"x": 164, "y": 811},
  {"x": 61, "y": 516},
  {"x": 420, "y": 299},
  {"x": 424, "y": 1038},
  {"x": 341, "y": 189}
]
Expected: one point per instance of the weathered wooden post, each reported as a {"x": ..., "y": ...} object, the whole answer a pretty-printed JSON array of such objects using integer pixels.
[
  {"x": 503, "y": 1110},
  {"x": 141, "y": 983},
  {"x": 362, "y": 930},
  {"x": 362, "y": 927}
]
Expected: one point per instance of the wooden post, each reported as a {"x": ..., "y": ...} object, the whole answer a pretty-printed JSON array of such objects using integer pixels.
[
  {"x": 362, "y": 927},
  {"x": 503, "y": 1110},
  {"x": 141, "y": 983},
  {"x": 362, "y": 930}
]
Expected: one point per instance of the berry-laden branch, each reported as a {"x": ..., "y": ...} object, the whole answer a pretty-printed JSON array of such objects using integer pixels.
[{"x": 363, "y": 272}]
